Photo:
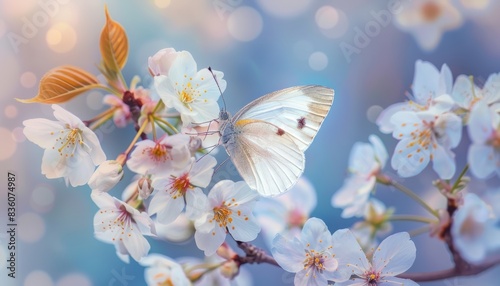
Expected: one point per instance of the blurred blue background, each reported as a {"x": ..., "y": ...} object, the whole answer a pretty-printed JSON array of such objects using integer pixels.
[{"x": 261, "y": 46}]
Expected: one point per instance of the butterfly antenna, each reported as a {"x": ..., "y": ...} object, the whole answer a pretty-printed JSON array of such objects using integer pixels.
[{"x": 218, "y": 86}]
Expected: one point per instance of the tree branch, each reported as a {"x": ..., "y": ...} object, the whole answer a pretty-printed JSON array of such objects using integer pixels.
[
  {"x": 254, "y": 255},
  {"x": 453, "y": 272}
]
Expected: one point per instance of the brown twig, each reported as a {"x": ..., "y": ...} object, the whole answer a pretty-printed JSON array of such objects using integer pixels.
[{"x": 254, "y": 255}]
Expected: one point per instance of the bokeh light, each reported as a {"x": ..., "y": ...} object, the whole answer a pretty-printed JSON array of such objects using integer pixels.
[
  {"x": 38, "y": 278},
  {"x": 9, "y": 146},
  {"x": 373, "y": 112},
  {"x": 61, "y": 38},
  {"x": 10, "y": 111},
  {"x": 332, "y": 22},
  {"x": 16, "y": 9},
  {"x": 284, "y": 8},
  {"x": 42, "y": 198},
  {"x": 94, "y": 100},
  {"x": 74, "y": 279},
  {"x": 244, "y": 24},
  {"x": 28, "y": 79},
  {"x": 475, "y": 4},
  {"x": 162, "y": 3},
  {"x": 318, "y": 61},
  {"x": 18, "y": 135},
  {"x": 327, "y": 17},
  {"x": 31, "y": 227}
]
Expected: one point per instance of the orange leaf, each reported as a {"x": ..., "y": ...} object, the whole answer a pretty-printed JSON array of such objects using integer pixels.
[
  {"x": 114, "y": 47},
  {"x": 62, "y": 84}
]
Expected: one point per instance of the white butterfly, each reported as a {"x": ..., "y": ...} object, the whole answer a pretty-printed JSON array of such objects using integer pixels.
[{"x": 267, "y": 138}]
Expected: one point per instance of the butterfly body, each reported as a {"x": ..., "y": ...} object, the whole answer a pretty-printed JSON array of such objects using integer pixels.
[{"x": 267, "y": 138}]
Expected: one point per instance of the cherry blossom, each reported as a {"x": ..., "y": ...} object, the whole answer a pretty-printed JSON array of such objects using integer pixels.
[
  {"x": 365, "y": 163},
  {"x": 162, "y": 270},
  {"x": 425, "y": 136},
  {"x": 313, "y": 256},
  {"x": 120, "y": 224},
  {"x": 429, "y": 84},
  {"x": 427, "y": 20},
  {"x": 475, "y": 229},
  {"x": 107, "y": 175},
  {"x": 181, "y": 189},
  {"x": 392, "y": 257},
  {"x": 287, "y": 213},
  {"x": 227, "y": 209},
  {"x": 484, "y": 131},
  {"x": 160, "y": 157},
  {"x": 72, "y": 150},
  {"x": 192, "y": 93}
]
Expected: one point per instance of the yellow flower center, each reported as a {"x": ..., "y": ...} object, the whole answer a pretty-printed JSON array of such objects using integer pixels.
[
  {"x": 314, "y": 259},
  {"x": 430, "y": 11},
  {"x": 159, "y": 153},
  {"x": 69, "y": 139},
  {"x": 222, "y": 215},
  {"x": 180, "y": 185}
]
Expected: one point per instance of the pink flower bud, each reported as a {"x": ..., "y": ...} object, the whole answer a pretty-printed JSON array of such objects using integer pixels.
[
  {"x": 160, "y": 63},
  {"x": 107, "y": 175}
]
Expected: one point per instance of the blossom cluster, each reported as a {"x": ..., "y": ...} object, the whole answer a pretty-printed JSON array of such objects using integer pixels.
[
  {"x": 171, "y": 164},
  {"x": 428, "y": 127}
]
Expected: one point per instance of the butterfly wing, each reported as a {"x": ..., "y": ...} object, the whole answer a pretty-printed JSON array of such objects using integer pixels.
[
  {"x": 267, "y": 159},
  {"x": 299, "y": 111}
]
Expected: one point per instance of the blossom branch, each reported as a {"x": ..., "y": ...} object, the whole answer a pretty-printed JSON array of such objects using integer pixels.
[
  {"x": 254, "y": 255},
  {"x": 414, "y": 196},
  {"x": 453, "y": 272}
]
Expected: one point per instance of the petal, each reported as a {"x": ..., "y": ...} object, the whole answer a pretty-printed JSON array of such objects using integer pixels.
[
  {"x": 315, "y": 234},
  {"x": 384, "y": 119},
  {"x": 350, "y": 255},
  {"x": 289, "y": 254},
  {"x": 205, "y": 110},
  {"x": 196, "y": 203},
  {"x": 165, "y": 90},
  {"x": 167, "y": 207},
  {"x": 394, "y": 281},
  {"x": 448, "y": 128},
  {"x": 42, "y": 132},
  {"x": 380, "y": 150},
  {"x": 409, "y": 159},
  {"x": 96, "y": 152},
  {"x": 405, "y": 124},
  {"x": 426, "y": 77},
  {"x": 137, "y": 245},
  {"x": 206, "y": 84},
  {"x": 209, "y": 242},
  {"x": 362, "y": 158},
  {"x": 463, "y": 92},
  {"x": 394, "y": 255},
  {"x": 482, "y": 160},
  {"x": 243, "y": 228},
  {"x": 445, "y": 80},
  {"x": 53, "y": 165},
  {"x": 352, "y": 282},
  {"x": 443, "y": 162},
  {"x": 65, "y": 116},
  {"x": 202, "y": 171},
  {"x": 491, "y": 89},
  {"x": 480, "y": 127},
  {"x": 310, "y": 277},
  {"x": 302, "y": 195},
  {"x": 183, "y": 67}
]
